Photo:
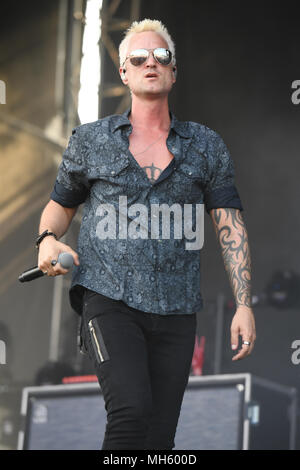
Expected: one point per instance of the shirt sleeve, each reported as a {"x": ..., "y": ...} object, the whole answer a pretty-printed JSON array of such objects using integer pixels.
[
  {"x": 220, "y": 190},
  {"x": 71, "y": 186}
]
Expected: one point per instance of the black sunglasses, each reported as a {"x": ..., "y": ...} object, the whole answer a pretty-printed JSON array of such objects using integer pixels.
[{"x": 139, "y": 56}]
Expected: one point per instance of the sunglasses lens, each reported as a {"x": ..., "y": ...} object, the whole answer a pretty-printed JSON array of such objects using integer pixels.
[
  {"x": 138, "y": 57},
  {"x": 163, "y": 56}
]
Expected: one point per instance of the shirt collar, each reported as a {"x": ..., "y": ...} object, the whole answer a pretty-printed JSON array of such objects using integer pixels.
[
  {"x": 180, "y": 127},
  {"x": 120, "y": 120}
]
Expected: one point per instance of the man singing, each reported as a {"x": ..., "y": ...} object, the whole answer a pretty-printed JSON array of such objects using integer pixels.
[{"x": 137, "y": 293}]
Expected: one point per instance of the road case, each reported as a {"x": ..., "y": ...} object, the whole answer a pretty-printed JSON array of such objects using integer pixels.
[{"x": 227, "y": 411}]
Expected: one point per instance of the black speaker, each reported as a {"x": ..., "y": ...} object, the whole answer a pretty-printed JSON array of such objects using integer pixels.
[{"x": 237, "y": 411}]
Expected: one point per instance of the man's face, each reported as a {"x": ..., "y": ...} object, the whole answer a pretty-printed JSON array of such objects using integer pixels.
[{"x": 150, "y": 78}]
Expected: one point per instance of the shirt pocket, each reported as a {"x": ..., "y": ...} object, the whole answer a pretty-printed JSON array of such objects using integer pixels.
[
  {"x": 106, "y": 167},
  {"x": 190, "y": 183},
  {"x": 110, "y": 177}
]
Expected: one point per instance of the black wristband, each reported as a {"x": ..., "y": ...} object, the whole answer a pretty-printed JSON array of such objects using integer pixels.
[{"x": 41, "y": 237}]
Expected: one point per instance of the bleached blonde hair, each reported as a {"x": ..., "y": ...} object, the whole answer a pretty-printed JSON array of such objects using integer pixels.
[{"x": 141, "y": 26}]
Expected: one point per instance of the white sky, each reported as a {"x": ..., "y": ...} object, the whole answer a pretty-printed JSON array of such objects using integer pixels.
[{"x": 90, "y": 65}]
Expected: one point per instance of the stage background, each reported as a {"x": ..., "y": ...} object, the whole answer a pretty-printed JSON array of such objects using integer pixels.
[{"x": 236, "y": 63}]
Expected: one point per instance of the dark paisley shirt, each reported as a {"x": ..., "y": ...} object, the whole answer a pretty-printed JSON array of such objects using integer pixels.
[{"x": 157, "y": 275}]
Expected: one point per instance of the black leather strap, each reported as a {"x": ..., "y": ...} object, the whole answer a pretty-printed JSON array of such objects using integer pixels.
[{"x": 41, "y": 237}]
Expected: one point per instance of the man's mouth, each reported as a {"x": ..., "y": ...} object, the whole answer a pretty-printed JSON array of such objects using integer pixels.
[{"x": 151, "y": 75}]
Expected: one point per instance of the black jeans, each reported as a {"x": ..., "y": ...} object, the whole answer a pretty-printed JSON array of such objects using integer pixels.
[{"x": 142, "y": 361}]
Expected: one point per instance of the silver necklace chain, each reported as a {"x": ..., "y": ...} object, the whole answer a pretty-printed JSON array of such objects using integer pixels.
[{"x": 150, "y": 145}]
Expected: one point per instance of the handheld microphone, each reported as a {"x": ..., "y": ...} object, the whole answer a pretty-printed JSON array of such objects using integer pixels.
[{"x": 65, "y": 259}]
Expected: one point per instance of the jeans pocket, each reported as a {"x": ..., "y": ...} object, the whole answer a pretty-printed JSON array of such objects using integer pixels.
[
  {"x": 88, "y": 294},
  {"x": 98, "y": 343}
]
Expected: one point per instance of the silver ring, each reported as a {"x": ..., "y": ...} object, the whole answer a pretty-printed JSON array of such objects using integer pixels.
[
  {"x": 45, "y": 272},
  {"x": 247, "y": 342},
  {"x": 54, "y": 262}
]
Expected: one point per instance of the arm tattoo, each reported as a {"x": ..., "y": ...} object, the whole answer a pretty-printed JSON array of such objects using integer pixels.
[{"x": 232, "y": 236}]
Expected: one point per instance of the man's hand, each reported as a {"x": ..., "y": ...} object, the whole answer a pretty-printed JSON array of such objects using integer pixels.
[
  {"x": 243, "y": 324},
  {"x": 49, "y": 250}
]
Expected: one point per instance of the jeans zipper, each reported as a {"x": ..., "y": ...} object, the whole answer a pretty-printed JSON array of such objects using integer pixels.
[{"x": 92, "y": 330}]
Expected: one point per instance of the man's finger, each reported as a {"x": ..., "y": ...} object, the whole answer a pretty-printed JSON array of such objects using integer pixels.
[
  {"x": 59, "y": 270},
  {"x": 245, "y": 350},
  {"x": 234, "y": 339},
  {"x": 75, "y": 257},
  {"x": 251, "y": 345},
  {"x": 248, "y": 341}
]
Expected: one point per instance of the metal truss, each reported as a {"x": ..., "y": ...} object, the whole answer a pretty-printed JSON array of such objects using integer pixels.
[{"x": 111, "y": 23}]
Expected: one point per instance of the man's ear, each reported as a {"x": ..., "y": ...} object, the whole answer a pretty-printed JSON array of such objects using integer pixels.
[{"x": 122, "y": 73}]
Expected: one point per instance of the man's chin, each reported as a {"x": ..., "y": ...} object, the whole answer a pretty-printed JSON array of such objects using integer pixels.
[{"x": 151, "y": 92}]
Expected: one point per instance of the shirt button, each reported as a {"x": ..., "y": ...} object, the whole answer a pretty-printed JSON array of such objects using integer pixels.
[
  {"x": 172, "y": 268},
  {"x": 152, "y": 278},
  {"x": 129, "y": 273},
  {"x": 159, "y": 268},
  {"x": 190, "y": 173},
  {"x": 130, "y": 298},
  {"x": 113, "y": 172},
  {"x": 117, "y": 288}
]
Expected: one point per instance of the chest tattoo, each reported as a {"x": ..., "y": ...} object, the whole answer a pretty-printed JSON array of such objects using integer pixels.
[{"x": 154, "y": 172}]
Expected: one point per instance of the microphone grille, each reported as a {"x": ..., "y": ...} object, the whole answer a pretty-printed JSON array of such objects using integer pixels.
[{"x": 65, "y": 260}]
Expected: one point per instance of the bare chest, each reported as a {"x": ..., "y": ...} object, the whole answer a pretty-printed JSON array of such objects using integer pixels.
[{"x": 152, "y": 156}]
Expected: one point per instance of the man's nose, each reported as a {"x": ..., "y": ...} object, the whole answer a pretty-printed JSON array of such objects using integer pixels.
[{"x": 150, "y": 60}]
